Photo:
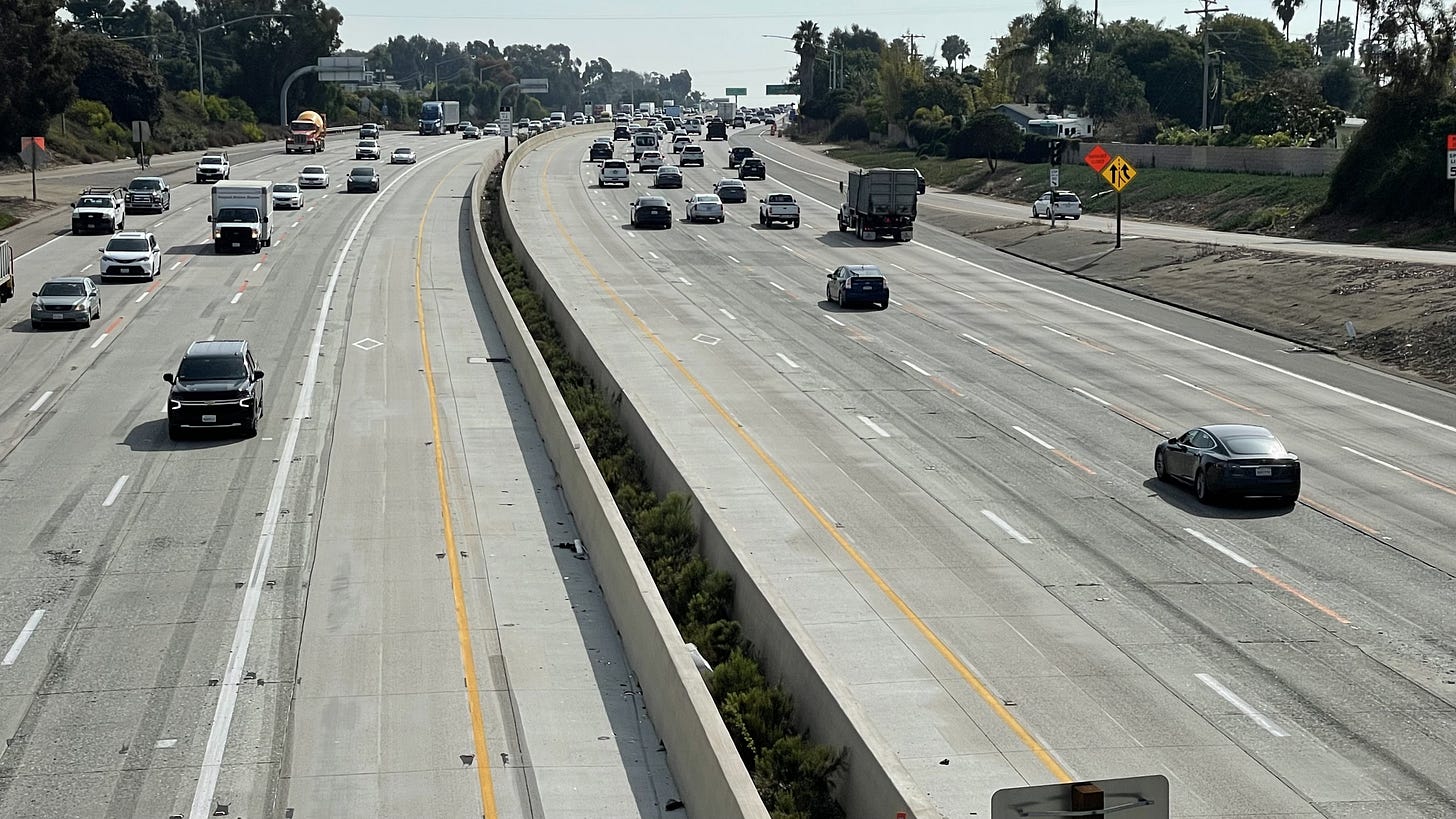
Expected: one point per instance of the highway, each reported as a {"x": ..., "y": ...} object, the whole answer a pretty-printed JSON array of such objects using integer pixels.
[
  {"x": 367, "y": 609},
  {"x": 955, "y": 498}
]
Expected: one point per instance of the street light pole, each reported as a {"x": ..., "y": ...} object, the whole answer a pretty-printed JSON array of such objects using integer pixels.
[{"x": 201, "y": 95}]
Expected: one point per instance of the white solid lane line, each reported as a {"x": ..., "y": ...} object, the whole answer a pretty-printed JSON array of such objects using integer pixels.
[
  {"x": 1090, "y": 395},
  {"x": 24, "y": 637},
  {"x": 47, "y": 244},
  {"x": 44, "y": 397},
  {"x": 876, "y": 428},
  {"x": 1238, "y": 702},
  {"x": 1004, "y": 526},
  {"x": 787, "y": 360},
  {"x": 912, "y": 366},
  {"x": 728, "y": 314},
  {"x": 115, "y": 490},
  {"x": 1044, "y": 444},
  {"x": 237, "y": 657},
  {"x": 969, "y": 337},
  {"x": 1230, "y": 553},
  {"x": 1357, "y": 452}
]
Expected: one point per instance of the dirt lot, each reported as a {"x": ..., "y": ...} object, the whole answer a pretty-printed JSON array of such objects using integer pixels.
[{"x": 1404, "y": 314}]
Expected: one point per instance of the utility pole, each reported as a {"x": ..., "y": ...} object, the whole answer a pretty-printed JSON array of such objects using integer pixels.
[
  {"x": 1207, "y": 12},
  {"x": 911, "y": 38}
]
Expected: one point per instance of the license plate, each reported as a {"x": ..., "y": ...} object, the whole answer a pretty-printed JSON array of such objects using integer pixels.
[
  {"x": 237, "y": 244},
  {"x": 1263, "y": 471},
  {"x": 209, "y": 419}
]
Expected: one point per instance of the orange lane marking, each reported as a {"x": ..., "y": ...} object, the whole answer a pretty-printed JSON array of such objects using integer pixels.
[
  {"x": 154, "y": 285},
  {"x": 1341, "y": 619},
  {"x": 112, "y": 325},
  {"x": 244, "y": 287},
  {"x": 1013, "y": 359},
  {"x": 1342, "y": 518},
  {"x": 1228, "y": 400},
  {"x": 947, "y": 386},
  {"x": 1073, "y": 461},
  {"x": 1433, "y": 484},
  {"x": 1136, "y": 419},
  {"x": 1094, "y": 345}
]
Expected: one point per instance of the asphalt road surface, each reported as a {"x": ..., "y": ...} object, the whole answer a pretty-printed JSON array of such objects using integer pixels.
[
  {"x": 955, "y": 496},
  {"x": 362, "y": 611}
]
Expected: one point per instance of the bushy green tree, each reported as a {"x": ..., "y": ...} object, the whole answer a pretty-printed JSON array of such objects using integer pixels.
[
  {"x": 120, "y": 77},
  {"x": 41, "y": 60}
]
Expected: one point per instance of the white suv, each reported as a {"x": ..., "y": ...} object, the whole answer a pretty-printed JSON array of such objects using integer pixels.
[
  {"x": 1068, "y": 206},
  {"x": 614, "y": 172},
  {"x": 650, "y": 161},
  {"x": 131, "y": 253}
]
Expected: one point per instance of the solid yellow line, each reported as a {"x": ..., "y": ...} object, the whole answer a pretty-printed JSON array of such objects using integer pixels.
[
  {"x": 999, "y": 708},
  {"x": 462, "y": 617}
]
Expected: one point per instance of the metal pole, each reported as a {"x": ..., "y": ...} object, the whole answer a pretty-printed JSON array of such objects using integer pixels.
[
  {"x": 1205, "y": 76},
  {"x": 1118, "y": 243},
  {"x": 199, "y": 68}
]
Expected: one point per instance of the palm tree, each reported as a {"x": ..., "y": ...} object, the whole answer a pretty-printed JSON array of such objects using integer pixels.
[
  {"x": 808, "y": 42},
  {"x": 1284, "y": 10},
  {"x": 954, "y": 48}
]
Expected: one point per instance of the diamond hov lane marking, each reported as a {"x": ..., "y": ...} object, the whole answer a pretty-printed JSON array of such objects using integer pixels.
[{"x": 367, "y": 344}]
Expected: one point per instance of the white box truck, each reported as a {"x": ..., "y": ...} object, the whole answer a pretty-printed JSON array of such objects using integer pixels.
[{"x": 242, "y": 215}]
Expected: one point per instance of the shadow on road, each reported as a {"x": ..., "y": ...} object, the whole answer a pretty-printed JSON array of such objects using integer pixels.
[
  {"x": 151, "y": 436},
  {"x": 1181, "y": 497}
]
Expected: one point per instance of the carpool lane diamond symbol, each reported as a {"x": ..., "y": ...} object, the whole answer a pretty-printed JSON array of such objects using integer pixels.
[{"x": 368, "y": 344}]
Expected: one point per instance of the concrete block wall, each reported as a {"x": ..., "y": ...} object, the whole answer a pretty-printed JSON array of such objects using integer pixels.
[
  {"x": 709, "y": 773},
  {"x": 1288, "y": 161}
]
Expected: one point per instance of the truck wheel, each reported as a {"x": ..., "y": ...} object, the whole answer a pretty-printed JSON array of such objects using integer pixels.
[{"x": 794, "y": 224}]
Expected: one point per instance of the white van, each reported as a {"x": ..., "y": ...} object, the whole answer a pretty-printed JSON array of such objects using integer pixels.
[
  {"x": 642, "y": 143},
  {"x": 558, "y": 120}
]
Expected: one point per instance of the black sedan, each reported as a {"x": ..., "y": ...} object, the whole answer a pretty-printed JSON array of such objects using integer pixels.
[
  {"x": 651, "y": 210},
  {"x": 1229, "y": 459},
  {"x": 621, "y": 132},
  {"x": 362, "y": 178},
  {"x": 731, "y": 190},
  {"x": 601, "y": 150}
]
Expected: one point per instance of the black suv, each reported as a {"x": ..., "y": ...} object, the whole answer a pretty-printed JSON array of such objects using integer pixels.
[
  {"x": 621, "y": 132},
  {"x": 601, "y": 150},
  {"x": 738, "y": 154},
  {"x": 752, "y": 168},
  {"x": 217, "y": 386}
]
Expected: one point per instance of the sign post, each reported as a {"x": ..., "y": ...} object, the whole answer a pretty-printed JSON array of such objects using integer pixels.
[
  {"x": 141, "y": 134},
  {"x": 1119, "y": 174},
  {"x": 1451, "y": 164},
  {"x": 33, "y": 153},
  {"x": 735, "y": 92}
]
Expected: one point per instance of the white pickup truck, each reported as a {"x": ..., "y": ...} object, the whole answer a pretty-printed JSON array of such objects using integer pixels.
[
  {"x": 778, "y": 207},
  {"x": 99, "y": 210},
  {"x": 213, "y": 167}
]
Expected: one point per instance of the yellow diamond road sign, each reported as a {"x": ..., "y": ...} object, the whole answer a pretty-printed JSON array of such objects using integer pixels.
[{"x": 1118, "y": 173}]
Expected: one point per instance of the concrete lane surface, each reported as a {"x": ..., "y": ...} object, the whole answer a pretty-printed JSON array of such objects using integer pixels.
[
  {"x": 251, "y": 625},
  {"x": 984, "y": 446}
]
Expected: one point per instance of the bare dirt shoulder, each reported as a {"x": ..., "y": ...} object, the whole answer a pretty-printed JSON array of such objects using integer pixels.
[{"x": 1404, "y": 314}]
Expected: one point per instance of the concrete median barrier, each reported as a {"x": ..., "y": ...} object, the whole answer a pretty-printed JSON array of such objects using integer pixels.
[
  {"x": 877, "y": 786},
  {"x": 705, "y": 764}
]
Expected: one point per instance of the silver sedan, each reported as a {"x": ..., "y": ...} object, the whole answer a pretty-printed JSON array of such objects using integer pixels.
[{"x": 705, "y": 207}]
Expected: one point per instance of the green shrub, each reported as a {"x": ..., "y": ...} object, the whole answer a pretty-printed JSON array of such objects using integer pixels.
[
  {"x": 90, "y": 113},
  {"x": 253, "y": 132},
  {"x": 759, "y": 716},
  {"x": 851, "y": 126}
]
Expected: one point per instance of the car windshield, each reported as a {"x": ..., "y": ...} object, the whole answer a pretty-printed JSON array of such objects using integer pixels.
[
  {"x": 780, "y": 199},
  {"x": 868, "y": 271},
  {"x": 367, "y": 143},
  {"x": 705, "y": 197},
  {"x": 212, "y": 160},
  {"x": 315, "y": 169},
  {"x": 63, "y": 289},
  {"x": 403, "y": 151},
  {"x": 1254, "y": 445},
  {"x": 126, "y": 245},
  {"x": 146, "y": 184},
  {"x": 237, "y": 215},
  {"x": 362, "y": 173},
  {"x": 285, "y": 187},
  {"x": 730, "y": 184},
  {"x": 94, "y": 202},
  {"x": 211, "y": 369}
]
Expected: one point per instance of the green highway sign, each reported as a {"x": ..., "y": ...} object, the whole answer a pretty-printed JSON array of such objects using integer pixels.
[
  {"x": 781, "y": 90},
  {"x": 736, "y": 92}
]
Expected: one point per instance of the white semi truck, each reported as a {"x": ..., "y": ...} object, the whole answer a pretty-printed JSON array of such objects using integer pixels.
[{"x": 242, "y": 215}]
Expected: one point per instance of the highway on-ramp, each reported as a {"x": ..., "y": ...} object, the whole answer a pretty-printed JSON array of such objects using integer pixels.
[
  {"x": 955, "y": 498},
  {"x": 374, "y": 607}
]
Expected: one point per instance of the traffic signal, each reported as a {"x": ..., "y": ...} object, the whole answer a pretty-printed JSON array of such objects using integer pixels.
[{"x": 1054, "y": 149}]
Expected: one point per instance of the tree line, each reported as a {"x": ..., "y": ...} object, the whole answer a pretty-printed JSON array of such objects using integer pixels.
[
  {"x": 109, "y": 62},
  {"x": 1142, "y": 81}
]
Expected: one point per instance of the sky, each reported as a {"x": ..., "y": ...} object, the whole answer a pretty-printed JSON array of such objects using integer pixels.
[{"x": 722, "y": 44}]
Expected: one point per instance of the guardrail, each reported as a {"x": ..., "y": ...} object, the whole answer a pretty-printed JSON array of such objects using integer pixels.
[
  {"x": 877, "y": 785},
  {"x": 705, "y": 764}
]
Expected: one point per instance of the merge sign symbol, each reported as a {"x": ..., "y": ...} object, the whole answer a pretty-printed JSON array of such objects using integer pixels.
[{"x": 1118, "y": 173}]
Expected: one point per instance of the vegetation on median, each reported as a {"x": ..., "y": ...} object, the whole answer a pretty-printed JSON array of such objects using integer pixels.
[{"x": 795, "y": 777}]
